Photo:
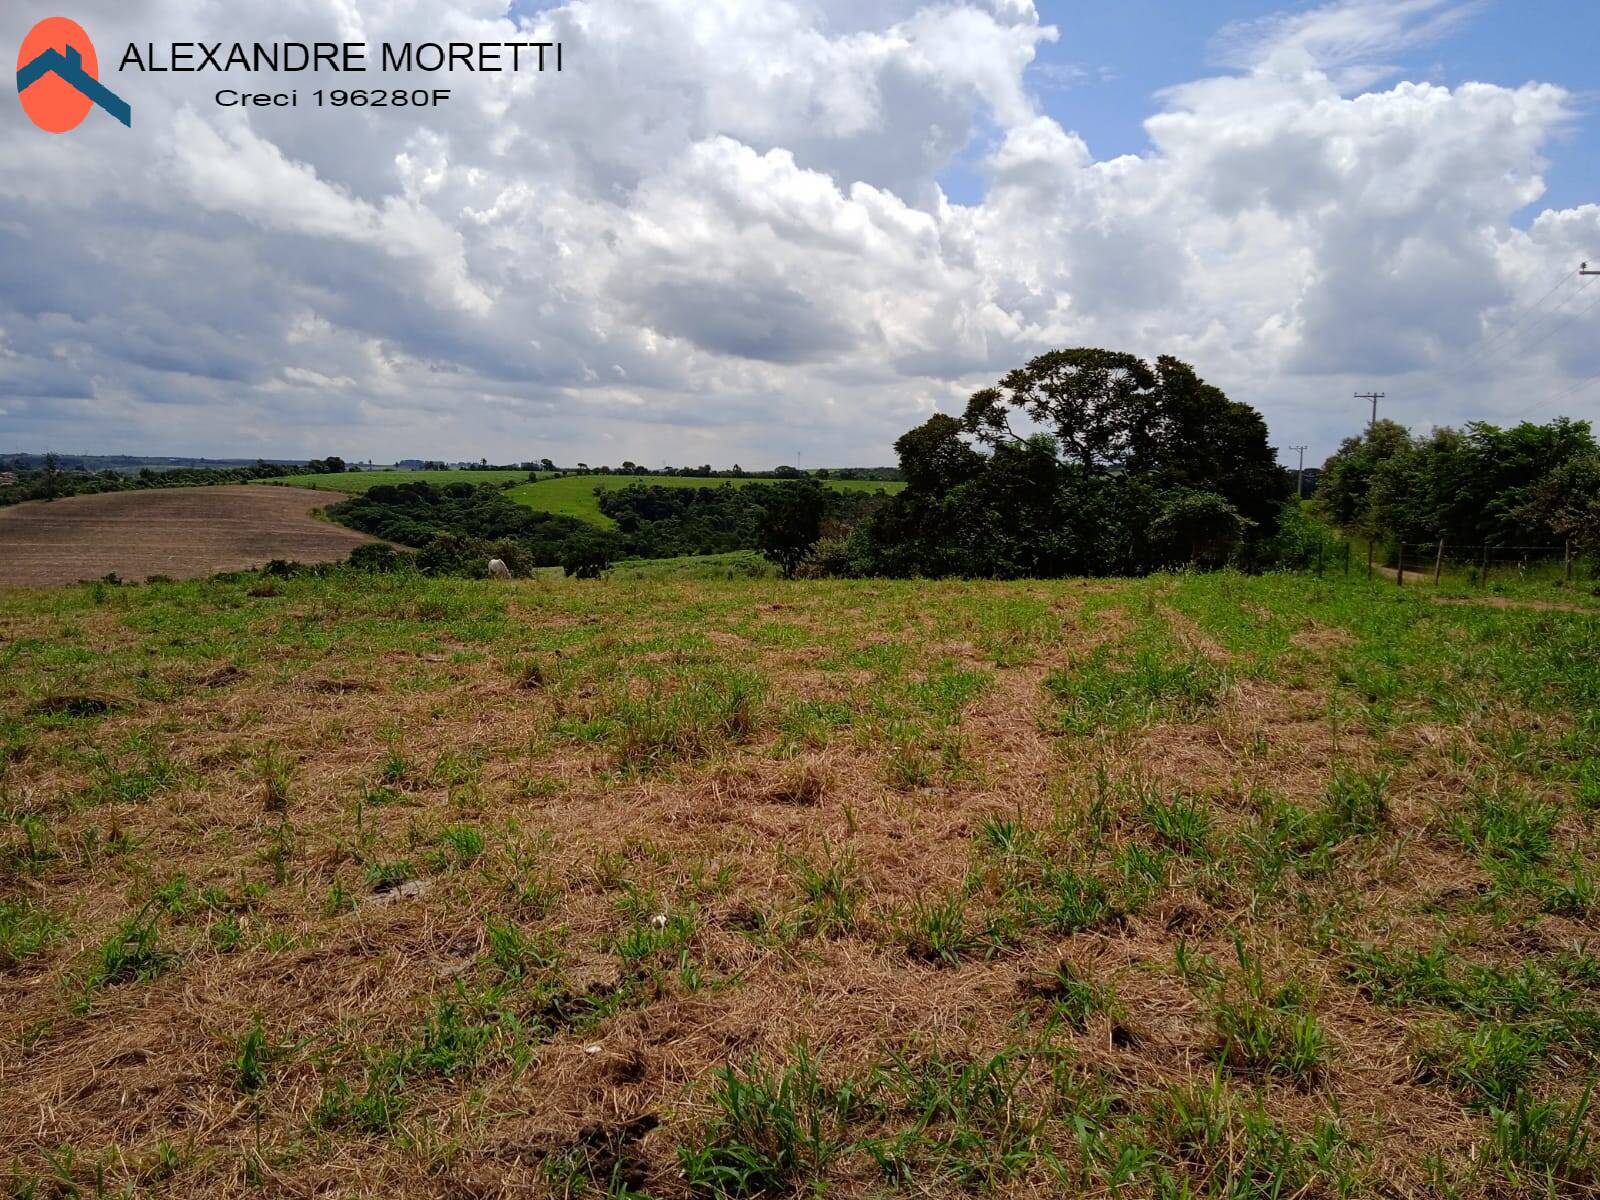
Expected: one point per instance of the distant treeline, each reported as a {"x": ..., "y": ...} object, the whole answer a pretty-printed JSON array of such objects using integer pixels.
[
  {"x": 1526, "y": 486},
  {"x": 666, "y": 522},
  {"x": 706, "y": 471},
  {"x": 128, "y": 463},
  {"x": 628, "y": 467},
  {"x": 52, "y": 481},
  {"x": 458, "y": 527}
]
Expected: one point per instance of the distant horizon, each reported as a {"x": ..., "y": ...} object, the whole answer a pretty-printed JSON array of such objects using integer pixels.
[{"x": 451, "y": 463}]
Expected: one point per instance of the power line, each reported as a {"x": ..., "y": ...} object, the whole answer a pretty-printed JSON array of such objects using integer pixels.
[
  {"x": 1583, "y": 269},
  {"x": 1557, "y": 329},
  {"x": 1533, "y": 311},
  {"x": 1561, "y": 395},
  {"x": 1547, "y": 323}
]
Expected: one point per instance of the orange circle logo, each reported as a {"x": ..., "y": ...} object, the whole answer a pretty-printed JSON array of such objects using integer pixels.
[{"x": 52, "y": 52}]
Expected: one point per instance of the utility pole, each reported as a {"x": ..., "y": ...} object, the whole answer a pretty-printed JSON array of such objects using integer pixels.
[
  {"x": 1583, "y": 269},
  {"x": 1300, "y": 475},
  {"x": 1374, "y": 397}
]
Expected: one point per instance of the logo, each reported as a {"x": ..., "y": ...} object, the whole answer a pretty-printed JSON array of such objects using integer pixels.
[{"x": 58, "y": 77}]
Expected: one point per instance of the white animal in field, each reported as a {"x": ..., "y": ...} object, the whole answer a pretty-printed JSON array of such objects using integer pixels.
[{"x": 498, "y": 569}]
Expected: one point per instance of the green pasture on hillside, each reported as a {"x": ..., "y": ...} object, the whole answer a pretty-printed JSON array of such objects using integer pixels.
[
  {"x": 355, "y": 483},
  {"x": 573, "y": 495}
]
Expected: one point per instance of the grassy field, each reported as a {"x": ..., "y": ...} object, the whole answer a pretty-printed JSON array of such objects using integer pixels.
[
  {"x": 737, "y": 564},
  {"x": 353, "y": 483},
  {"x": 1187, "y": 886},
  {"x": 573, "y": 495}
]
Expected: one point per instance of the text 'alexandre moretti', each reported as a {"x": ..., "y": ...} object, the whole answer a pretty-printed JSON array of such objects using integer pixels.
[{"x": 341, "y": 56}]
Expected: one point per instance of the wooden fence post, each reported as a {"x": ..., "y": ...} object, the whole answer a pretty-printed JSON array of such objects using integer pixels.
[
  {"x": 1438, "y": 563},
  {"x": 1400, "y": 564},
  {"x": 1369, "y": 560},
  {"x": 1566, "y": 573},
  {"x": 1347, "y": 559},
  {"x": 1483, "y": 575}
]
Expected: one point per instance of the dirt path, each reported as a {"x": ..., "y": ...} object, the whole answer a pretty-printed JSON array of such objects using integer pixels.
[
  {"x": 1508, "y": 602},
  {"x": 182, "y": 533},
  {"x": 1424, "y": 577}
]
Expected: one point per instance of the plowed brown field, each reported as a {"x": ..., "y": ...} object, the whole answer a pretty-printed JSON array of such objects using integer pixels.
[{"x": 178, "y": 532}]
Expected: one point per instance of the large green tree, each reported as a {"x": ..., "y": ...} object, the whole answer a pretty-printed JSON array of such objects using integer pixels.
[
  {"x": 1079, "y": 462},
  {"x": 791, "y": 523}
]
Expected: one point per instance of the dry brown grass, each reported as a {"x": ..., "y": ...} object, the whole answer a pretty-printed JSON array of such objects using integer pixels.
[{"x": 572, "y": 839}]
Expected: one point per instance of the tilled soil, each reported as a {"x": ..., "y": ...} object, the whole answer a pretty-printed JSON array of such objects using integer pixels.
[{"x": 181, "y": 533}]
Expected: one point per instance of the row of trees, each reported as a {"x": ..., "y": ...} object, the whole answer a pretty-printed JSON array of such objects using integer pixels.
[
  {"x": 1528, "y": 485},
  {"x": 665, "y": 522},
  {"x": 51, "y": 481},
  {"x": 706, "y": 471}
]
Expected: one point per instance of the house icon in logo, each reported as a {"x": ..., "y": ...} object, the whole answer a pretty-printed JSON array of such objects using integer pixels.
[{"x": 58, "y": 78}]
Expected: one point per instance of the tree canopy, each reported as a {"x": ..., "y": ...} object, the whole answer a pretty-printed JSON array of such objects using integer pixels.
[
  {"x": 1518, "y": 486},
  {"x": 1082, "y": 461}
]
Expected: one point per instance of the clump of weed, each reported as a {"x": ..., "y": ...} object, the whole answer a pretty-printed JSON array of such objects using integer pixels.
[
  {"x": 34, "y": 849},
  {"x": 274, "y": 772},
  {"x": 387, "y": 874},
  {"x": 146, "y": 773},
  {"x": 451, "y": 1042},
  {"x": 803, "y": 785},
  {"x": 395, "y": 769},
  {"x": 534, "y": 674},
  {"x": 1108, "y": 690},
  {"x": 1492, "y": 1063},
  {"x": 1511, "y": 831},
  {"x": 1357, "y": 803},
  {"x": 1258, "y": 1040},
  {"x": 973, "y": 1121},
  {"x": 1068, "y": 901},
  {"x": 657, "y": 944},
  {"x": 830, "y": 890},
  {"x": 1008, "y": 838},
  {"x": 938, "y": 930},
  {"x": 773, "y": 1131},
  {"x": 604, "y": 1157},
  {"x": 1223, "y": 1145},
  {"x": 1181, "y": 823},
  {"x": 515, "y": 955},
  {"x": 464, "y": 842},
  {"x": 132, "y": 954},
  {"x": 252, "y": 1055},
  {"x": 699, "y": 716},
  {"x": 911, "y": 761},
  {"x": 26, "y": 929},
  {"x": 1070, "y": 998},
  {"x": 1267, "y": 1031},
  {"x": 1549, "y": 1140}
]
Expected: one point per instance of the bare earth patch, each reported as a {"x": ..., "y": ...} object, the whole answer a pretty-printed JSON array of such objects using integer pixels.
[{"x": 181, "y": 533}]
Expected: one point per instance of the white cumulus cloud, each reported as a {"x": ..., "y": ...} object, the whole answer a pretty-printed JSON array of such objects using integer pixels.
[{"x": 719, "y": 234}]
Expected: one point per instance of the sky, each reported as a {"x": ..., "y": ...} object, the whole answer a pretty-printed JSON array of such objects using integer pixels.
[{"x": 788, "y": 232}]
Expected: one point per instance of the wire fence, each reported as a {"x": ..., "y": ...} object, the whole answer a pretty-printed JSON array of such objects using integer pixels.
[{"x": 1479, "y": 564}]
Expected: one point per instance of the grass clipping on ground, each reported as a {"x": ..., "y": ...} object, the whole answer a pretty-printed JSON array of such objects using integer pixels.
[{"x": 1188, "y": 886}]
